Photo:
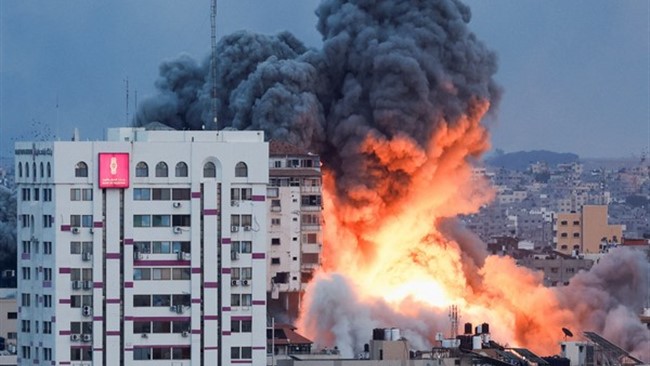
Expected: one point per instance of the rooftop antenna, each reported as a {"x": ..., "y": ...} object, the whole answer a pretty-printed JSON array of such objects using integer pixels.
[
  {"x": 126, "y": 83},
  {"x": 56, "y": 126},
  {"x": 453, "y": 317},
  {"x": 213, "y": 61}
]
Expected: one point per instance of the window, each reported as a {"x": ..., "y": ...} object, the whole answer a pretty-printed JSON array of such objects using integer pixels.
[
  {"x": 180, "y": 326},
  {"x": 26, "y": 352},
  {"x": 161, "y": 169},
  {"x": 26, "y": 194},
  {"x": 141, "y": 327},
  {"x": 20, "y": 170},
  {"x": 276, "y": 221},
  {"x": 47, "y": 194},
  {"x": 81, "y": 169},
  {"x": 243, "y": 326},
  {"x": 141, "y": 353},
  {"x": 310, "y": 238},
  {"x": 275, "y": 260},
  {"x": 27, "y": 170},
  {"x": 272, "y": 192},
  {"x": 141, "y": 221},
  {"x": 81, "y": 220},
  {"x": 161, "y": 353},
  {"x": 77, "y": 301},
  {"x": 161, "y": 274},
  {"x": 241, "y": 169},
  {"x": 275, "y": 241},
  {"x": 47, "y": 274},
  {"x": 34, "y": 170},
  {"x": 209, "y": 170},
  {"x": 162, "y": 327},
  {"x": 81, "y": 194},
  {"x": 181, "y": 246},
  {"x": 311, "y": 200},
  {"x": 12, "y": 315},
  {"x": 181, "y": 273},
  {"x": 234, "y": 220},
  {"x": 576, "y": 235},
  {"x": 36, "y": 194},
  {"x": 47, "y": 353},
  {"x": 141, "y": 300},
  {"x": 47, "y": 247},
  {"x": 576, "y": 223},
  {"x": 246, "y": 220},
  {"x": 48, "y": 220},
  {"x": 25, "y": 326},
  {"x": 160, "y": 194},
  {"x": 141, "y": 194},
  {"x": 243, "y": 194},
  {"x": 142, "y": 169},
  {"x": 181, "y": 169},
  {"x": 42, "y": 169},
  {"x": 49, "y": 170},
  {"x": 47, "y": 300},
  {"x": 142, "y": 246},
  {"x": 181, "y": 220},
  {"x": 181, "y": 194},
  {"x": 25, "y": 300},
  {"x": 160, "y": 220},
  {"x": 161, "y": 300},
  {"x": 27, "y": 273},
  {"x": 81, "y": 354},
  {"x": 242, "y": 246},
  {"x": 161, "y": 247},
  {"x": 141, "y": 274},
  {"x": 564, "y": 235}
]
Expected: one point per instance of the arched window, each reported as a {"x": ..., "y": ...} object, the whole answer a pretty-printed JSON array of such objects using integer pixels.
[
  {"x": 161, "y": 169},
  {"x": 49, "y": 170},
  {"x": 20, "y": 170},
  {"x": 27, "y": 170},
  {"x": 209, "y": 170},
  {"x": 181, "y": 169},
  {"x": 81, "y": 169},
  {"x": 241, "y": 169},
  {"x": 42, "y": 169},
  {"x": 34, "y": 171},
  {"x": 142, "y": 169}
]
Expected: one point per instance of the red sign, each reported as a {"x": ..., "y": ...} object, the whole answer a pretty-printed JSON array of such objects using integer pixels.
[{"x": 113, "y": 170}]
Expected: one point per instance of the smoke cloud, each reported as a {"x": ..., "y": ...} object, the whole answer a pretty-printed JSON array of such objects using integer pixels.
[{"x": 393, "y": 103}]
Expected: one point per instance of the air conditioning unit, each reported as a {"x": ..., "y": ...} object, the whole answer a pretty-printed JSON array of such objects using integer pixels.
[
  {"x": 91, "y": 230},
  {"x": 87, "y": 311},
  {"x": 76, "y": 285},
  {"x": 234, "y": 203},
  {"x": 235, "y": 282},
  {"x": 87, "y": 337},
  {"x": 178, "y": 230},
  {"x": 187, "y": 256},
  {"x": 234, "y": 255},
  {"x": 75, "y": 337},
  {"x": 88, "y": 285},
  {"x": 75, "y": 230},
  {"x": 179, "y": 309},
  {"x": 247, "y": 228},
  {"x": 185, "y": 334},
  {"x": 144, "y": 335},
  {"x": 245, "y": 283},
  {"x": 180, "y": 256},
  {"x": 87, "y": 257},
  {"x": 138, "y": 256},
  {"x": 234, "y": 228},
  {"x": 176, "y": 204}
]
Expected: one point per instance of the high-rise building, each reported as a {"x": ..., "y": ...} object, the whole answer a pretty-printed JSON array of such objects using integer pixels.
[
  {"x": 294, "y": 225},
  {"x": 150, "y": 245}
]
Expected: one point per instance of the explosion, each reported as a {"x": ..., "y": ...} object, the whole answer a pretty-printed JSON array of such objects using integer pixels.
[{"x": 394, "y": 103}]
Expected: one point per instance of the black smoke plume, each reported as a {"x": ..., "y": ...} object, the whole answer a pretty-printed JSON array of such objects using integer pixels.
[{"x": 386, "y": 68}]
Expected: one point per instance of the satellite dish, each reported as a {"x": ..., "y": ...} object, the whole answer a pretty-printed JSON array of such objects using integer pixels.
[{"x": 567, "y": 332}]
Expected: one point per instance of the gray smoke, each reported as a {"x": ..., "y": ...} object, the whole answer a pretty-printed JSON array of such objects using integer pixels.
[
  {"x": 608, "y": 298},
  {"x": 387, "y": 68}
]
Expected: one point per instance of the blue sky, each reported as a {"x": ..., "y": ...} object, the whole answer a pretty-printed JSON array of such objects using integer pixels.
[{"x": 576, "y": 74}]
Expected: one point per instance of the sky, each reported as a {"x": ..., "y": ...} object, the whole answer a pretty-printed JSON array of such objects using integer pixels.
[{"x": 575, "y": 74}]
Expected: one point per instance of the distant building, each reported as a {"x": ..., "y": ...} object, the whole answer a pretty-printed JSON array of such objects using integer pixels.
[
  {"x": 587, "y": 231},
  {"x": 558, "y": 269},
  {"x": 8, "y": 320},
  {"x": 148, "y": 246}
]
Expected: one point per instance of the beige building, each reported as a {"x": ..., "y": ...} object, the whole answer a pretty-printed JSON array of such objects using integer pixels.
[
  {"x": 8, "y": 316},
  {"x": 587, "y": 231}
]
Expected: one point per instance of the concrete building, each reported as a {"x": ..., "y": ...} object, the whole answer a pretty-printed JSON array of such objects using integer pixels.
[
  {"x": 8, "y": 320},
  {"x": 120, "y": 249},
  {"x": 294, "y": 225},
  {"x": 558, "y": 269},
  {"x": 587, "y": 231}
]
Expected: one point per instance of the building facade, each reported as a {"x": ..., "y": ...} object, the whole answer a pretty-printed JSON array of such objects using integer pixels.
[
  {"x": 127, "y": 249},
  {"x": 294, "y": 226},
  {"x": 587, "y": 231}
]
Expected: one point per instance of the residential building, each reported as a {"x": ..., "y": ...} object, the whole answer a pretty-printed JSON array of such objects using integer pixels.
[
  {"x": 8, "y": 320},
  {"x": 294, "y": 225},
  {"x": 587, "y": 231},
  {"x": 120, "y": 248}
]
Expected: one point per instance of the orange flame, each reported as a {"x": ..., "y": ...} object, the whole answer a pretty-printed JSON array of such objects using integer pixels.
[{"x": 392, "y": 248}]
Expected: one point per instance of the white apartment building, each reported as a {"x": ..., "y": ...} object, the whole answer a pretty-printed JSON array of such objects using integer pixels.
[
  {"x": 294, "y": 225},
  {"x": 126, "y": 249}
]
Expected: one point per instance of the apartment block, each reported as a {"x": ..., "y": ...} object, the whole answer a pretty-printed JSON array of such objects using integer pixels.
[
  {"x": 587, "y": 231},
  {"x": 127, "y": 249}
]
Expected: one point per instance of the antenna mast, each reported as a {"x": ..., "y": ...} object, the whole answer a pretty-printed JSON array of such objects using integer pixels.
[
  {"x": 453, "y": 317},
  {"x": 213, "y": 61},
  {"x": 126, "y": 83}
]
